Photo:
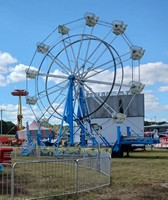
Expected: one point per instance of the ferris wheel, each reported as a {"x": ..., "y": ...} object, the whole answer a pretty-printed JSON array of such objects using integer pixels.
[{"x": 80, "y": 59}]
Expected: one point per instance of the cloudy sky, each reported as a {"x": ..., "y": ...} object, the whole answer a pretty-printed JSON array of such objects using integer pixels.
[{"x": 24, "y": 23}]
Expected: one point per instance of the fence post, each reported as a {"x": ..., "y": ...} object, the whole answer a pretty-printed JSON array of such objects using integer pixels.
[
  {"x": 109, "y": 164},
  {"x": 2, "y": 182},
  {"x": 77, "y": 175},
  {"x": 12, "y": 181}
]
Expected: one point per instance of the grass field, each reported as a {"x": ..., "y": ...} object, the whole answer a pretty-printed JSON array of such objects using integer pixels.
[{"x": 142, "y": 176}]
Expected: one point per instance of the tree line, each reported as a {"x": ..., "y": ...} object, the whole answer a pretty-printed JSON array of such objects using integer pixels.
[{"x": 8, "y": 128}]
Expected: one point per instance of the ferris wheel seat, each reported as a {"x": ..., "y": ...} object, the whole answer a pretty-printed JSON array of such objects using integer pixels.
[
  {"x": 63, "y": 30},
  {"x": 31, "y": 74},
  {"x": 119, "y": 118},
  {"x": 118, "y": 27},
  {"x": 91, "y": 19},
  {"x": 42, "y": 48},
  {"x": 137, "y": 52},
  {"x": 136, "y": 87},
  {"x": 31, "y": 100}
]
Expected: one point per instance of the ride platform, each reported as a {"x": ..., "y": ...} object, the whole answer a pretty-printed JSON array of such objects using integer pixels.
[{"x": 124, "y": 143}]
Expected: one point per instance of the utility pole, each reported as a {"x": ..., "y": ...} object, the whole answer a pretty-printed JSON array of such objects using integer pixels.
[
  {"x": 155, "y": 119},
  {"x": 1, "y": 119}
]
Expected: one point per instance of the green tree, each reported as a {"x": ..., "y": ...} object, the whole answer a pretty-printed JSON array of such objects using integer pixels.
[{"x": 8, "y": 127}]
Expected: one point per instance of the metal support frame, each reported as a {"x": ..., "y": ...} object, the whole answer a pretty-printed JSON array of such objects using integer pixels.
[
  {"x": 68, "y": 114},
  {"x": 70, "y": 110},
  {"x": 68, "y": 117},
  {"x": 81, "y": 113}
]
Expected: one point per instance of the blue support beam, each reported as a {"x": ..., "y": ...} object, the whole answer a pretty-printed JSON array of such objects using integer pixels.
[
  {"x": 68, "y": 114},
  {"x": 70, "y": 110},
  {"x": 82, "y": 113}
]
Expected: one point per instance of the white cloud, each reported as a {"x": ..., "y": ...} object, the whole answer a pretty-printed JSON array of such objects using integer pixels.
[
  {"x": 11, "y": 111},
  {"x": 152, "y": 103},
  {"x": 2, "y": 80},
  {"x": 163, "y": 88},
  {"x": 17, "y": 74},
  {"x": 153, "y": 73},
  {"x": 5, "y": 61},
  {"x": 10, "y": 73},
  {"x": 150, "y": 73}
]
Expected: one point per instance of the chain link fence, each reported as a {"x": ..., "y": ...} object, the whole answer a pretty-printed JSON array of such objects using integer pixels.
[{"x": 40, "y": 179}]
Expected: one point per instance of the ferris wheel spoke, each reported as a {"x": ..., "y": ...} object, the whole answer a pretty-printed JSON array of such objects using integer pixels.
[
  {"x": 60, "y": 88},
  {"x": 116, "y": 59},
  {"x": 61, "y": 103},
  {"x": 87, "y": 60},
  {"x": 103, "y": 104},
  {"x": 98, "y": 57},
  {"x": 103, "y": 82},
  {"x": 33, "y": 111},
  {"x": 53, "y": 75},
  {"x": 46, "y": 111},
  {"x": 99, "y": 101},
  {"x": 94, "y": 72},
  {"x": 67, "y": 57},
  {"x": 76, "y": 68},
  {"x": 40, "y": 108},
  {"x": 53, "y": 111},
  {"x": 60, "y": 94},
  {"x": 73, "y": 52},
  {"x": 57, "y": 91},
  {"x": 55, "y": 60},
  {"x": 87, "y": 50},
  {"x": 96, "y": 82}
]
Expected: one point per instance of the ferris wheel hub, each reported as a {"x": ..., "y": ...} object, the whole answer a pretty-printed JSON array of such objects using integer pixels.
[{"x": 71, "y": 77}]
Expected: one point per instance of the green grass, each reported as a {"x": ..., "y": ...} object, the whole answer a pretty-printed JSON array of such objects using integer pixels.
[{"x": 142, "y": 176}]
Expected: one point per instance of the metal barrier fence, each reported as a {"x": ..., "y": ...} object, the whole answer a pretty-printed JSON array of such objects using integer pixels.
[
  {"x": 50, "y": 178},
  {"x": 5, "y": 181},
  {"x": 42, "y": 153}
]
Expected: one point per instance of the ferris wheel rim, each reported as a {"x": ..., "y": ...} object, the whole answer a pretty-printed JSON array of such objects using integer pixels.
[{"x": 76, "y": 41}]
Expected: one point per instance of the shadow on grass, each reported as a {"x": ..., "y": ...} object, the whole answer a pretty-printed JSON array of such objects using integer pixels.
[{"x": 153, "y": 154}]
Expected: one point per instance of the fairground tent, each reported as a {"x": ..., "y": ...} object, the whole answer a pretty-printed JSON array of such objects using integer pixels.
[{"x": 33, "y": 130}]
